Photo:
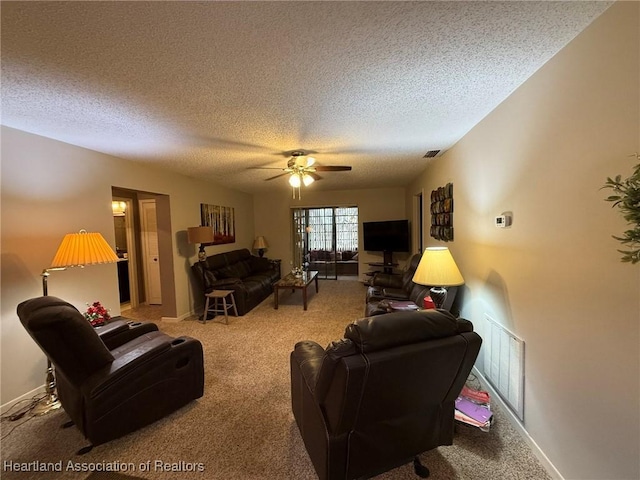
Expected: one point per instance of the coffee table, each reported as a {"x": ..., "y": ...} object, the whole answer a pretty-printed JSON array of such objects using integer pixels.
[{"x": 295, "y": 283}]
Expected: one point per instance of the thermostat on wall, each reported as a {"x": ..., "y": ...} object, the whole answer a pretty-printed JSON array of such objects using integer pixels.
[{"x": 503, "y": 221}]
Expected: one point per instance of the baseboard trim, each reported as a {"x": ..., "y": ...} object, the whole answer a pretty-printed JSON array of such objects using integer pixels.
[
  {"x": 182, "y": 317},
  {"x": 27, "y": 396},
  {"x": 515, "y": 422}
]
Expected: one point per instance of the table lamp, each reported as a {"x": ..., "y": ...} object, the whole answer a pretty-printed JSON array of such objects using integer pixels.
[
  {"x": 201, "y": 235},
  {"x": 438, "y": 269},
  {"x": 76, "y": 250},
  {"x": 260, "y": 245}
]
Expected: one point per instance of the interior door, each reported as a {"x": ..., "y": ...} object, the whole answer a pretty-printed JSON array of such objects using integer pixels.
[{"x": 151, "y": 257}]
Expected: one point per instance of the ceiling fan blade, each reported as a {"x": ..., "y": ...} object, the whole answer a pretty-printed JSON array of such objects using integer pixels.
[
  {"x": 331, "y": 168},
  {"x": 277, "y": 176},
  {"x": 265, "y": 168},
  {"x": 315, "y": 176}
]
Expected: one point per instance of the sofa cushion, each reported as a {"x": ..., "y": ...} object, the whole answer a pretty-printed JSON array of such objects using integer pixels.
[{"x": 240, "y": 269}]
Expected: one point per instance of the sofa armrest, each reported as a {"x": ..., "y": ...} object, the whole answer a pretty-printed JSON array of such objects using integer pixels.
[
  {"x": 308, "y": 356},
  {"x": 155, "y": 349},
  {"x": 120, "y": 331},
  {"x": 114, "y": 327}
]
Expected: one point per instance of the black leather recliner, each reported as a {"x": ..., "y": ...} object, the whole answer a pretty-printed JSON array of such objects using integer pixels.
[
  {"x": 384, "y": 394},
  {"x": 109, "y": 392}
]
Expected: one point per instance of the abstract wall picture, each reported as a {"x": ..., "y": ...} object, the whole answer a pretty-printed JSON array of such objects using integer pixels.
[
  {"x": 442, "y": 213},
  {"x": 223, "y": 221}
]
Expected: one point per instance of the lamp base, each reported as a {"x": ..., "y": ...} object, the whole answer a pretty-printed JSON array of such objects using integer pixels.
[
  {"x": 46, "y": 405},
  {"x": 438, "y": 295},
  {"x": 202, "y": 255},
  {"x": 261, "y": 252}
]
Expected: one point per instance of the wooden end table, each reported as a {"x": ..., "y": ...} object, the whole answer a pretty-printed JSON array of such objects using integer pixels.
[{"x": 295, "y": 283}]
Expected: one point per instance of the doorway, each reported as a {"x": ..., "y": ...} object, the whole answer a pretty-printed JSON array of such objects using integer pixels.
[
  {"x": 326, "y": 240},
  {"x": 123, "y": 224},
  {"x": 418, "y": 222},
  {"x": 144, "y": 245}
]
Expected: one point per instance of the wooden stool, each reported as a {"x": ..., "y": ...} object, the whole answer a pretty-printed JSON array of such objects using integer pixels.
[{"x": 224, "y": 308}]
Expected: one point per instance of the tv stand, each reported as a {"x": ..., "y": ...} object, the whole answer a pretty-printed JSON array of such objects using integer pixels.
[
  {"x": 387, "y": 263},
  {"x": 387, "y": 258}
]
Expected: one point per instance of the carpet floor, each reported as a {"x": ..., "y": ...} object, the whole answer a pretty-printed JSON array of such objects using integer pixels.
[{"x": 243, "y": 428}]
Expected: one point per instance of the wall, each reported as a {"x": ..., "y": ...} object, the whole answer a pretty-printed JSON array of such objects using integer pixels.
[
  {"x": 51, "y": 188},
  {"x": 554, "y": 278},
  {"x": 273, "y": 216}
]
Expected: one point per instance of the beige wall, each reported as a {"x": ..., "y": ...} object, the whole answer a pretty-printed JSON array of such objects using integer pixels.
[
  {"x": 51, "y": 188},
  {"x": 554, "y": 278},
  {"x": 273, "y": 216}
]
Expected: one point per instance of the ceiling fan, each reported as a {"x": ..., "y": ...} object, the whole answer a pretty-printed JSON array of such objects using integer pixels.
[{"x": 302, "y": 169}]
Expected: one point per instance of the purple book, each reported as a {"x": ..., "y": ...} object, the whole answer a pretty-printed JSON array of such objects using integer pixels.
[
  {"x": 402, "y": 305},
  {"x": 475, "y": 411}
]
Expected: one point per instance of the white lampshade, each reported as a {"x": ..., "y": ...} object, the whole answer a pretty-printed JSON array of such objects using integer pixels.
[{"x": 438, "y": 268}]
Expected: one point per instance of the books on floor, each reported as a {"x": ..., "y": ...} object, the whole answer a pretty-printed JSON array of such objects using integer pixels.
[{"x": 473, "y": 408}]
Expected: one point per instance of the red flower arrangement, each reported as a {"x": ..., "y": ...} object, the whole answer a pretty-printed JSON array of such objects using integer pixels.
[{"x": 97, "y": 314}]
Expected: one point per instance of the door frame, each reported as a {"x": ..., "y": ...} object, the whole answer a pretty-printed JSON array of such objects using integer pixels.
[
  {"x": 132, "y": 254},
  {"x": 417, "y": 233}
]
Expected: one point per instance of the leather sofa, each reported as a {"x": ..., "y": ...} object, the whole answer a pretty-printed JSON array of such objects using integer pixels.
[
  {"x": 110, "y": 391},
  {"x": 382, "y": 395},
  {"x": 250, "y": 277},
  {"x": 385, "y": 286}
]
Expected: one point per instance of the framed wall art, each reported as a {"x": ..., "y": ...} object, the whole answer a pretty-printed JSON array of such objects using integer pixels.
[
  {"x": 223, "y": 221},
  {"x": 442, "y": 213}
]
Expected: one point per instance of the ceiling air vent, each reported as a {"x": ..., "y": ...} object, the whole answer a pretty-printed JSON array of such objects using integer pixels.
[{"x": 431, "y": 153}]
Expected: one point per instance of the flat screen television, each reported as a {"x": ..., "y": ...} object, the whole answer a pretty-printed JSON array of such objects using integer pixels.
[{"x": 388, "y": 236}]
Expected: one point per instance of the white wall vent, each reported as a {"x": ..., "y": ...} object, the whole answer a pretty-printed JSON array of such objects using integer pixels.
[{"x": 504, "y": 364}]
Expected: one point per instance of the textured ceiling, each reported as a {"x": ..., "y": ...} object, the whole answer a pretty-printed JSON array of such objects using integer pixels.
[{"x": 215, "y": 89}]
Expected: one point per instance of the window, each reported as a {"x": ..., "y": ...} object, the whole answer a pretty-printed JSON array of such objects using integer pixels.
[{"x": 324, "y": 221}]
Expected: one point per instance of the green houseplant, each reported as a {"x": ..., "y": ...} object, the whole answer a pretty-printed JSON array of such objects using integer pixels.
[{"x": 626, "y": 196}]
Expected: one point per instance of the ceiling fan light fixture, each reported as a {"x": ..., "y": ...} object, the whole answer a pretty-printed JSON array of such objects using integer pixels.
[
  {"x": 307, "y": 180},
  {"x": 310, "y": 161},
  {"x": 294, "y": 180}
]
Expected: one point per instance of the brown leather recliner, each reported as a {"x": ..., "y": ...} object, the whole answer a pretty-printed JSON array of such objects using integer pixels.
[
  {"x": 109, "y": 392},
  {"x": 384, "y": 394}
]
